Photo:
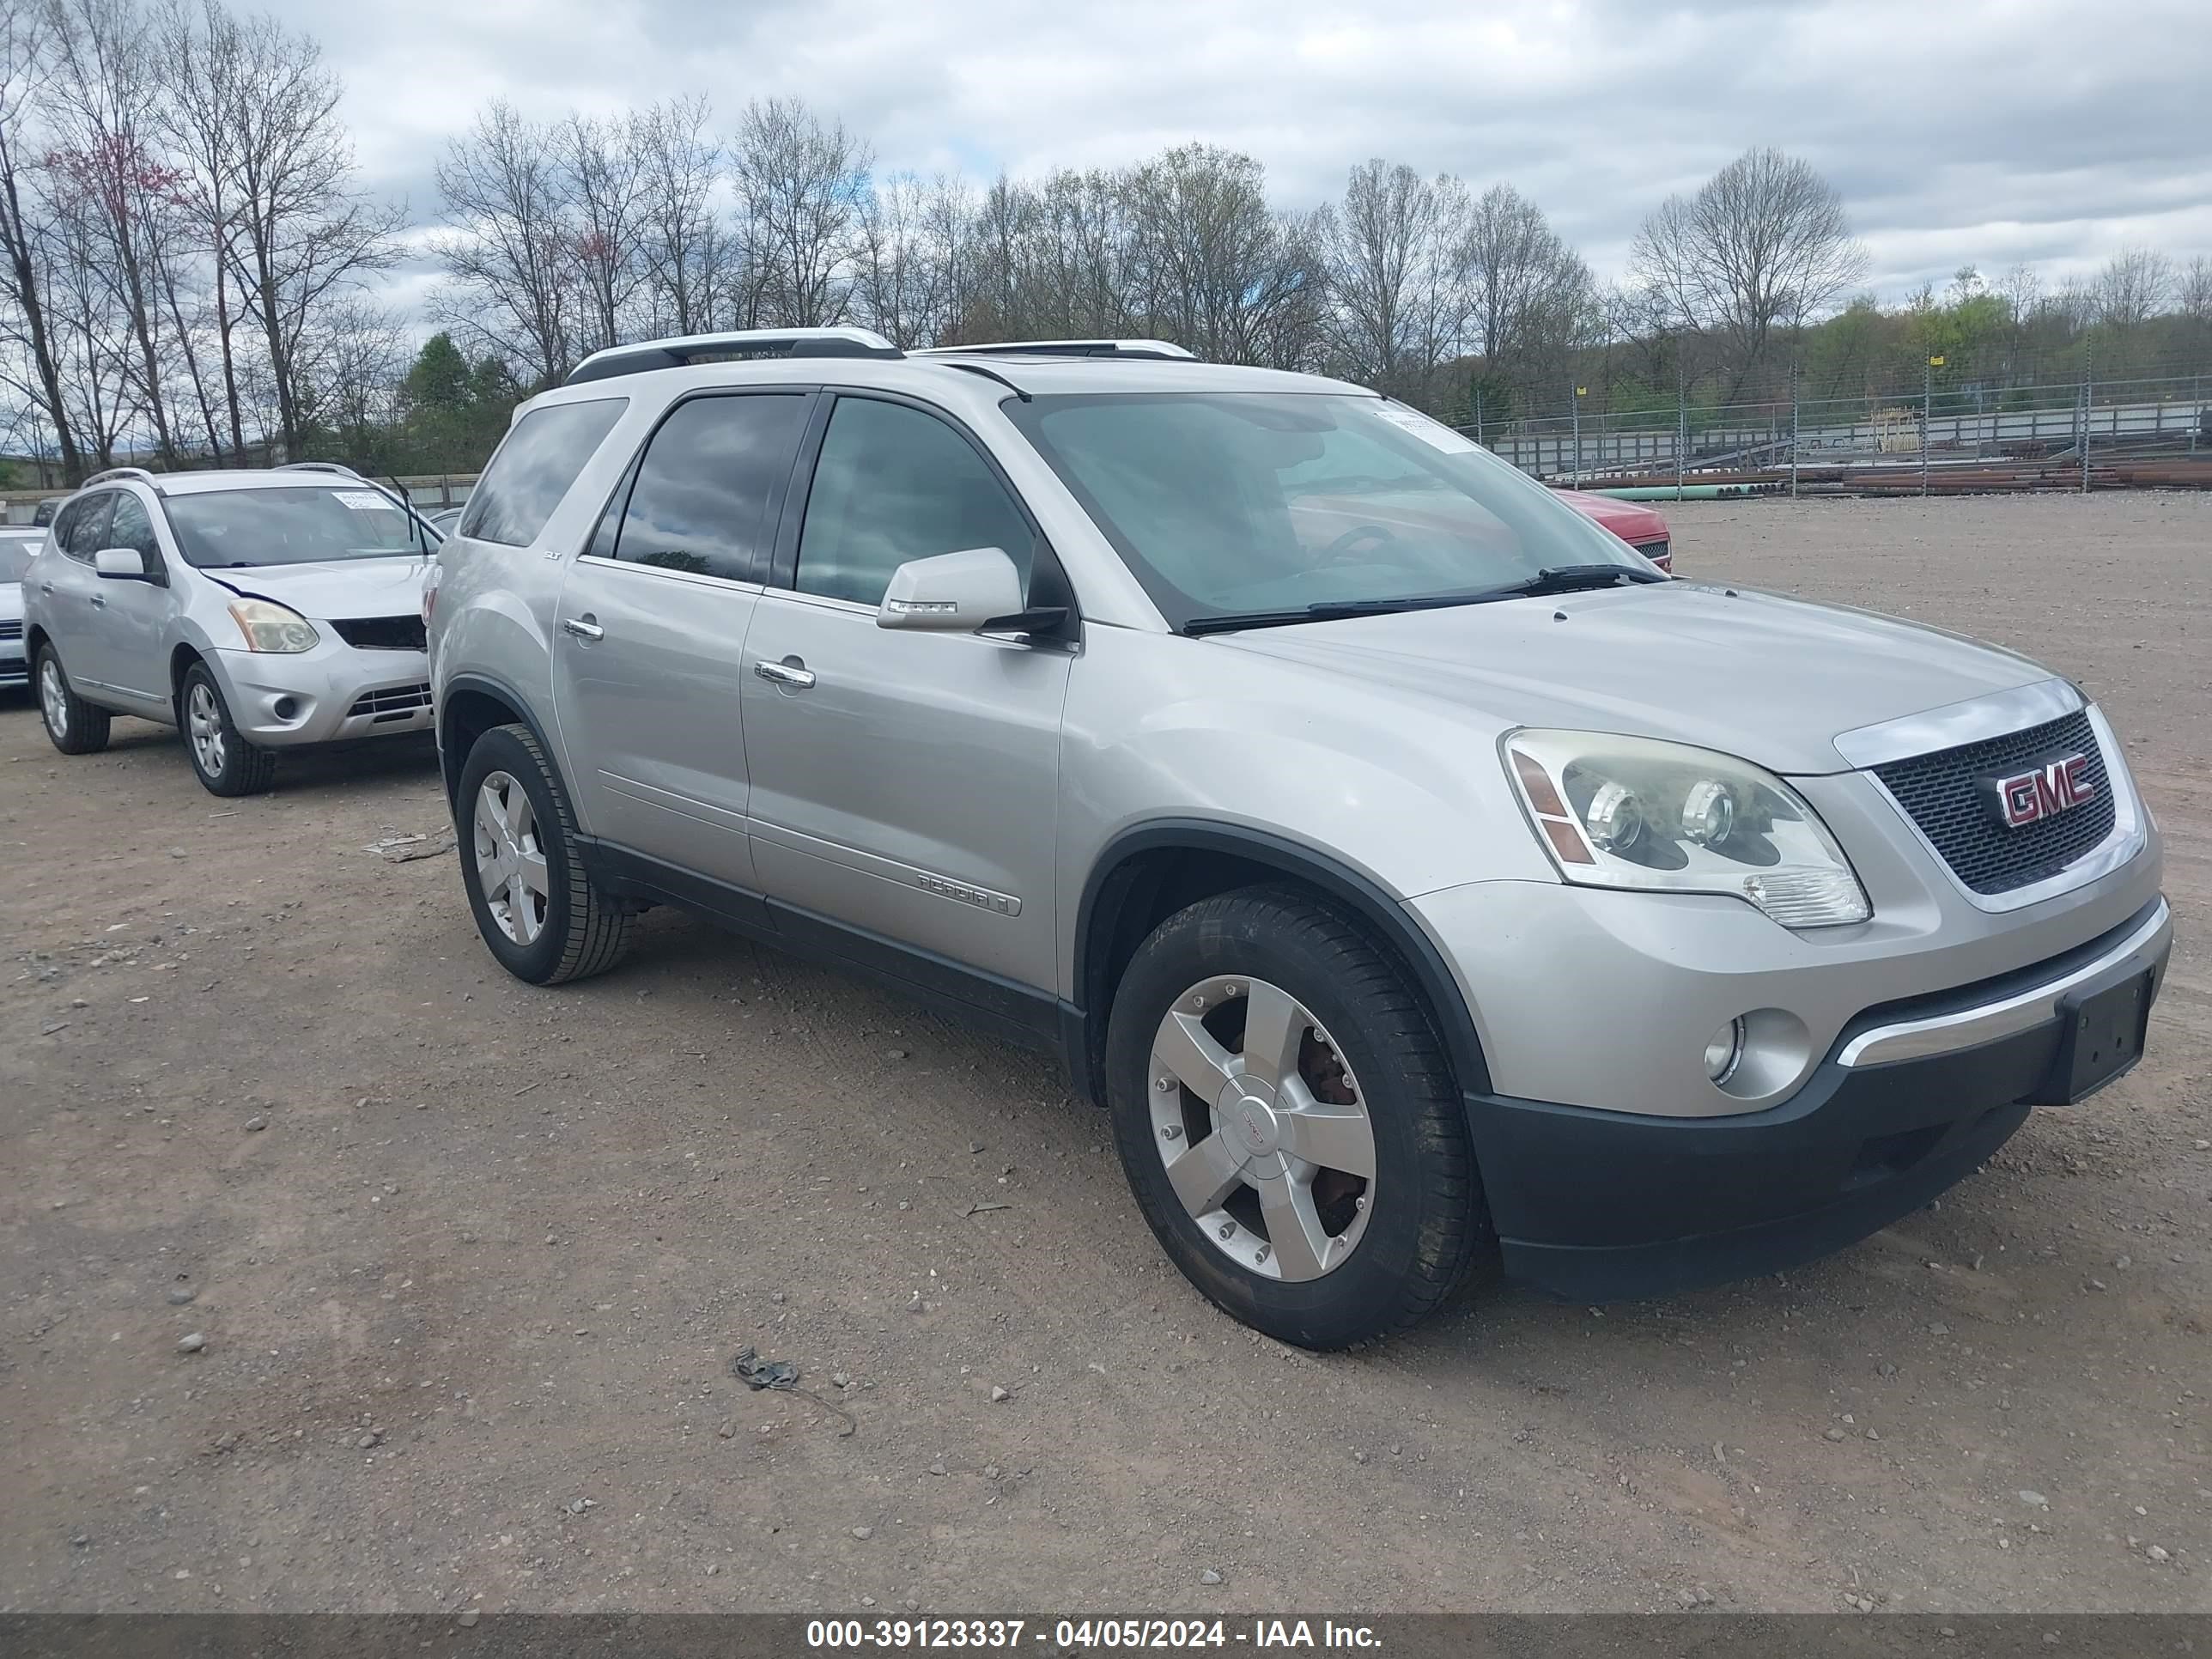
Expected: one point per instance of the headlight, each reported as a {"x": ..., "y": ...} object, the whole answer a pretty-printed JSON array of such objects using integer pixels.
[
  {"x": 1615, "y": 812},
  {"x": 271, "y": 627}
]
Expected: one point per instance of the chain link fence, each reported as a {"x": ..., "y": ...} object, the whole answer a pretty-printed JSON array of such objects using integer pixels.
[{"x": 2083, "y": 433}]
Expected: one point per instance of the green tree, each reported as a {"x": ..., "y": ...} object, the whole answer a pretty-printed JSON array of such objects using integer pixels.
[{"x": 440, "y": 379}]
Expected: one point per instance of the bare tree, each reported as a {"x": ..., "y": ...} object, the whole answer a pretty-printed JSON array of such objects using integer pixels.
[
  {"x": 685, "y": 251},
  {"x": 604, "y": 167},
  {"x": 907, "y": 280},
  {"x": 511, "y": 288},
  {"x": 800, "y": 185},
  {"x": 2135, "y": 284},
  {"x": 351, "y": 364},
  {"x": 2194, "y": 292},
  {"x": 305, "y": 234},
  {"x": 103, "y": 94},
  {"x": 1764, "y": 245},
  {"x": 92, "y": 340},
  {"x": 1211, "y": 266},
  {"x": 1399, "y": 307},
  {"x": 1516, "y": 269},
  {"x": 37, "y": 372}
]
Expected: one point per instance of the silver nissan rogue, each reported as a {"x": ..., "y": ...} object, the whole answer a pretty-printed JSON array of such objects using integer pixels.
[
  {"x": 1414, "y": 871},
  {"x": 255, "y": 611}
]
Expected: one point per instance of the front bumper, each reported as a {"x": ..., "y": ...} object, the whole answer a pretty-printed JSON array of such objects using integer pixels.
[
  {"x": 1910, "y": 1098},
  {"x": 332, "y": 694}
]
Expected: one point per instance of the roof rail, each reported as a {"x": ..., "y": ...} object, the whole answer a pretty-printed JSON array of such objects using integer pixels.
[
  {"x": 318, "y": 466},
  {"x": 740, "y": 344},
  {"x": 114, "y": 472},
  {"x": 1064, "y": 349}
]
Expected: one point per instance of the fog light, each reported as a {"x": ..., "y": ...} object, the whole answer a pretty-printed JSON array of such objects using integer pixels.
[
  {"x": 285, "y": 708},
  {"x": 1725, "y": 1051}
]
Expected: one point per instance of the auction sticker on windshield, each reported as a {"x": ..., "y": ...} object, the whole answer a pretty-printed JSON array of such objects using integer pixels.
[
  {"x": 1434, "y": 434},
  {"x": 365, "y": 501}
]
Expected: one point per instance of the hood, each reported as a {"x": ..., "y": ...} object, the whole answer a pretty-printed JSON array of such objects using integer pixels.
[
  {"x": 1631, "y": 521},
  {"x": 334, "y": 589},
  {"x": 1770, "y": 679}
]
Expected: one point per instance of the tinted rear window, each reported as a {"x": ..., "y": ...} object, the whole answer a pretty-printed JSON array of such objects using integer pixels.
[
  {"x": 534, "y": 468},
  {"x": 700, "y": 500}
]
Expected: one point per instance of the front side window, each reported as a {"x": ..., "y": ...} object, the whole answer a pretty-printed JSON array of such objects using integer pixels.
[
  {"x": 534, "y": 467},
  {"x": 894, "y": 483},
  {"x": 83, "y": 530},
  {"x": 132, "y": 527},
  {"x": 295, "y": 524},
  {"x": 700, "y": 500},
  {"x": 1234, "y": 503}
]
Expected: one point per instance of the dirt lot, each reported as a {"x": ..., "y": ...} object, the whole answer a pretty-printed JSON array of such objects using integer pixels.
[{"x": 470, "y": 1260}]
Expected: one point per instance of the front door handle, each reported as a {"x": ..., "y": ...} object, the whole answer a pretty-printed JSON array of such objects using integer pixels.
[
  {"x": 791, "y": 672},
  {"x": 46, "y": 588},
  {"x": 98, "y": 603},
  {"x": 583, "y": 627}
]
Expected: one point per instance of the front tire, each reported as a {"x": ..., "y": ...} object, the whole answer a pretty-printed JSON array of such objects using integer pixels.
[
  {"x": 537, "y": 908},
  {"x": 1288, "y": 1120},
  {"x": 223, "y": 761},
  {"x": 74, "y": 726}
]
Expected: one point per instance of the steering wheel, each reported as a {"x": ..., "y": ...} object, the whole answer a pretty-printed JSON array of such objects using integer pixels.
[{"x": 1340, "y": 550}]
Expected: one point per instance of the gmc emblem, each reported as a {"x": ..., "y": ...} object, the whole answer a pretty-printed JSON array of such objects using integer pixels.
[{"x": 2029, "y": 797}]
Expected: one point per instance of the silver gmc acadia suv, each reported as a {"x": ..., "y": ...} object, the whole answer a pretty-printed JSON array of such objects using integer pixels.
[{"x": 1412, "y": 869}]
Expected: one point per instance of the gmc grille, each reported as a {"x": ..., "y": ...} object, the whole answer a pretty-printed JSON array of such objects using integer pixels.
[
  {"x": 1943, "y": 793},
  {"x": 382, "y": 632}
]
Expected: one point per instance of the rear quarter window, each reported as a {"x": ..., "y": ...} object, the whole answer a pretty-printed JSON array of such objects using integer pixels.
[{"x": 534, "y": 468}]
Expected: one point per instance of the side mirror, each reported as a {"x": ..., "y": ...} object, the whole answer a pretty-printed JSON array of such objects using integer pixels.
[
  {"x": 954, "y": 592},
  {"x": 125, "y": 564}
]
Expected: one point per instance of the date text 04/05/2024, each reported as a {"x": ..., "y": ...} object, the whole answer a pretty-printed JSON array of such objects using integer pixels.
[{"x": 1079, "y": 1635}]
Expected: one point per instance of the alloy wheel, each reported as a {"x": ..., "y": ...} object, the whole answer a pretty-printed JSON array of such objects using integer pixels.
[
  {"x": 53, "y": 696},
  {"x": 1262, "y": 1128},
  {"x": 511, "y": 870},
  {"x": 204, "y": 725}
]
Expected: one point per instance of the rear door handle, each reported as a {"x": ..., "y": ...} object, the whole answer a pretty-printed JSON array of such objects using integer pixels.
[
  {"x": 790, "y": 671},
  {"x": 583, "y": 628}
]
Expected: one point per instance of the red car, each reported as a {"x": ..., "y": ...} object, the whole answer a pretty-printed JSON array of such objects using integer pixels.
[{"x": 1642, "y": 527}]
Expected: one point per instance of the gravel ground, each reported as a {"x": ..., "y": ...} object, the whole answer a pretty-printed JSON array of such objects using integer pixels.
[{"x": 466, "y": 1262}]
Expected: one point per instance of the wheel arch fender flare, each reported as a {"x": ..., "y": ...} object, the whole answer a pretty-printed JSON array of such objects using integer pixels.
[
  {"x": 1378, "y": 910},
  {"x": 453, "y": 696}
]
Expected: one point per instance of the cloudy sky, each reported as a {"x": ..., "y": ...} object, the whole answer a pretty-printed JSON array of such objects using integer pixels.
[{"x": 1985, "y": 130}]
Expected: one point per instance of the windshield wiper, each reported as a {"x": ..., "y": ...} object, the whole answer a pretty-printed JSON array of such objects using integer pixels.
[
  {"x": 1555, "y": 578},
  {"x": 1572, "y": 579},
  {"x": 1329, "y": 611}
]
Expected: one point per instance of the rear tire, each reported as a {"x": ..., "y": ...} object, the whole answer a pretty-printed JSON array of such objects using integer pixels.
[
  {"x": 75, "y": 726},
  {"x": 223, "y": 761},
  {"x": 537, "y": 908},
  {"x": 1390, "y": 1215}
]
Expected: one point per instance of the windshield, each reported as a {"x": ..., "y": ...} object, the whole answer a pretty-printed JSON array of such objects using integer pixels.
[
  {"x": 294, "y": 523},
  {"x": 15, "y": 556},
  {"x": 1229, "y": 503}
]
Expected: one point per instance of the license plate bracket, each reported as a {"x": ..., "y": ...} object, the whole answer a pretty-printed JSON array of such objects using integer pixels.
[{"x": 2102, "y": 1037}]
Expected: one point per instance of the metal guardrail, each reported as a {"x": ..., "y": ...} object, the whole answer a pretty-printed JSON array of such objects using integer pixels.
[{"x": 429, "y": 491}]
